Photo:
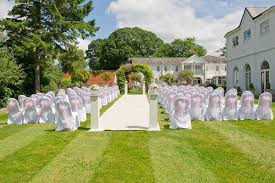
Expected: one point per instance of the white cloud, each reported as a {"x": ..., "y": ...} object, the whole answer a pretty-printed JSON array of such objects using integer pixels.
[
  {"x": 172, "y": 19},
  {"x": 83, "y": 43},
  {"x": 5, "y": 7}
]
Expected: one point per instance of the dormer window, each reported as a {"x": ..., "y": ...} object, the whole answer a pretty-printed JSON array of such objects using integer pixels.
[
  {"x": 247, "y": 35},
  {"x": 235, "y": 41},
  {"x": 264, "y": 27}
]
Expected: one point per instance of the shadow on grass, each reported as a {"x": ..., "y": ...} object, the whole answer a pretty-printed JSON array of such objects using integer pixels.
[{"x": 83, "y": 128}]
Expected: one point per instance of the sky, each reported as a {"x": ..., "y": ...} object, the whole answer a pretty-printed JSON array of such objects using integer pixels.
[{"x": 206, "y": 20}]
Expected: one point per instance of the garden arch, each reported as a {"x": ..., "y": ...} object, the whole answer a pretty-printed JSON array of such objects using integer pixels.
[{"x": 123, "y": 72}]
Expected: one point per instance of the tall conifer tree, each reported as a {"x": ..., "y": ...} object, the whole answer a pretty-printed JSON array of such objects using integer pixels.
[{"x": 39, "y": 29}]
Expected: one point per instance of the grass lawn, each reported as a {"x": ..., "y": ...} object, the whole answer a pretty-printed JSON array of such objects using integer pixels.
[{"x": 231, "y": 151}]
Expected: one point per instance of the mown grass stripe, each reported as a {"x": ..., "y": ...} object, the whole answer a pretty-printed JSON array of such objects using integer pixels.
[
  {"x": 78, "y": 160},
  {"x": 226, "y": 161},
  {"x": 26, "y": 162},
  {"x": 263, "y": 128},
  {"x": 174, "y": 160},
  {"x": 9, "y": 130},
  {"x": 259, "y": 149},
  {"x": 3, "y": 117},
  {"x": 126, "y": 159},
  {"x": 18, "y": 140}
]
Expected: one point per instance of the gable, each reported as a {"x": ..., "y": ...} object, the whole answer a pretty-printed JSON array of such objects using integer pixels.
[
  {"x": 195, "y": 59},
  {"x": 246, "y": 17}
]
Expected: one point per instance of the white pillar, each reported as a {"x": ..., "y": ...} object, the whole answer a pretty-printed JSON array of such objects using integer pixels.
[
  {"x": 95, "y": 111},
  {"x": 153, "y": 108},
  {"x": 143, "y": 88},
  {"x": 126, "y": 88}
]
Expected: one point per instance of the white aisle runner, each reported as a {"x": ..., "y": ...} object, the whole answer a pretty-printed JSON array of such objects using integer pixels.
[{"x": 130, "y": 112}]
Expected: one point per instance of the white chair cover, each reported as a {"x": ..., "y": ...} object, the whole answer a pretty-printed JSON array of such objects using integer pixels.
[
  {"x": 181, "y": 117},
  {"x": 246, "y": 110},
  {"x": 196, "y": 108},
  {"x": 264, "y": 111},
  {"x": 230, "y": 111},
  {"x": 46, "y": 113},
  {"x": 86, "y": 100},
  {"x": 29, "y": 111},
  {"x": 76, "y": 105},
  {"x": 213, "y": 111},
  {"x": 15, "y": 115},
  {"x": 65, "y": 118},
  {"x": 21, "y": 99},
  {"x": 171, "y": 101}
]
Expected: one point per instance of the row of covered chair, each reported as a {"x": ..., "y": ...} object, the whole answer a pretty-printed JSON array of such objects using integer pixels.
[
  {"x": 187, "y": 103},
  {"x": 66, "y": 108}
]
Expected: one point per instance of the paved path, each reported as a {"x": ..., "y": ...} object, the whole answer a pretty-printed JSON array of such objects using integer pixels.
[{"x": 130, "y": 112}]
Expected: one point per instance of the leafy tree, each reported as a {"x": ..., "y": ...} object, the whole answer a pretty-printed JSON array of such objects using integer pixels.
[
  {"x": 165, "y": 50},
  {"x": 37, "y": 30},
  {"x": 72, "y": 59},
  {"x": 168, "y": 78},
  {"x": 94, "y": 53},
  {"x": 121, "y": 45},
  {"x": 186, "y": 76},
  {"x": 186, "y": 48},
  {"x": 11, "y": 76}
]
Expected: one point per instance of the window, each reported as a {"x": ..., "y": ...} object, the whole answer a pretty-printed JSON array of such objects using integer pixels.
[
  {"x": 224, "y": 68},
  {"x": 217, "y": 68},
  {"x": 207, "y": 68},
  {"x": 198, "y": 69},
  {"x": 236, "y": 76},
  {"x": 264, "y": 27},
  {"x": 165, "y": 68},
  {"x": 247, "y": 70},
  {"x": 247, "y": 35},
  {"x": 235, "y": 41},
  {"x": 177, "y": 68},
  {"x": 187, "y": 67},
  {"x": 158, "y": 68}
]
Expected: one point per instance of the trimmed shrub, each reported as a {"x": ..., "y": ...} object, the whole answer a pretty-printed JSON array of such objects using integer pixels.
[
  {"x": 66, "y": 82},
  {"x": 186, "y": 76},
  {"x": 168, "y": 78},
  {"x": 106, "y": 76}
]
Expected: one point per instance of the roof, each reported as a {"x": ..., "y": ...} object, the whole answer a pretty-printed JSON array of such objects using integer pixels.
[
  {"x": 177, "y": 60},
  {"x": 254, "y": 13},
  {"x": 161, "y": 60},
  {"x": 214, "y": 59}
]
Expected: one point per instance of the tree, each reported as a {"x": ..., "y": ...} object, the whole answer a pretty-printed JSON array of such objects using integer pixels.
[
  {"x": 38, "y": 30},
  {"x": 186, "y": 76},
  {"x": 168, "y": 78},
  {"x": 93, "y": 54},
  {"x": 72, "y": 59},
  {"x": 121, "y": 45},
  {"x": 11, "y": 76},
  {"x": 165, "y": 50},
  {"x": 186, "y": 48},
  {"x": 222, "y": 51}
]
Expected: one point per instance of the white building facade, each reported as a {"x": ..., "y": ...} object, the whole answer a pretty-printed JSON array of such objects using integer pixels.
[
  {"x": 251, "y": 51},
  {"x": 207, "y": 69}
]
